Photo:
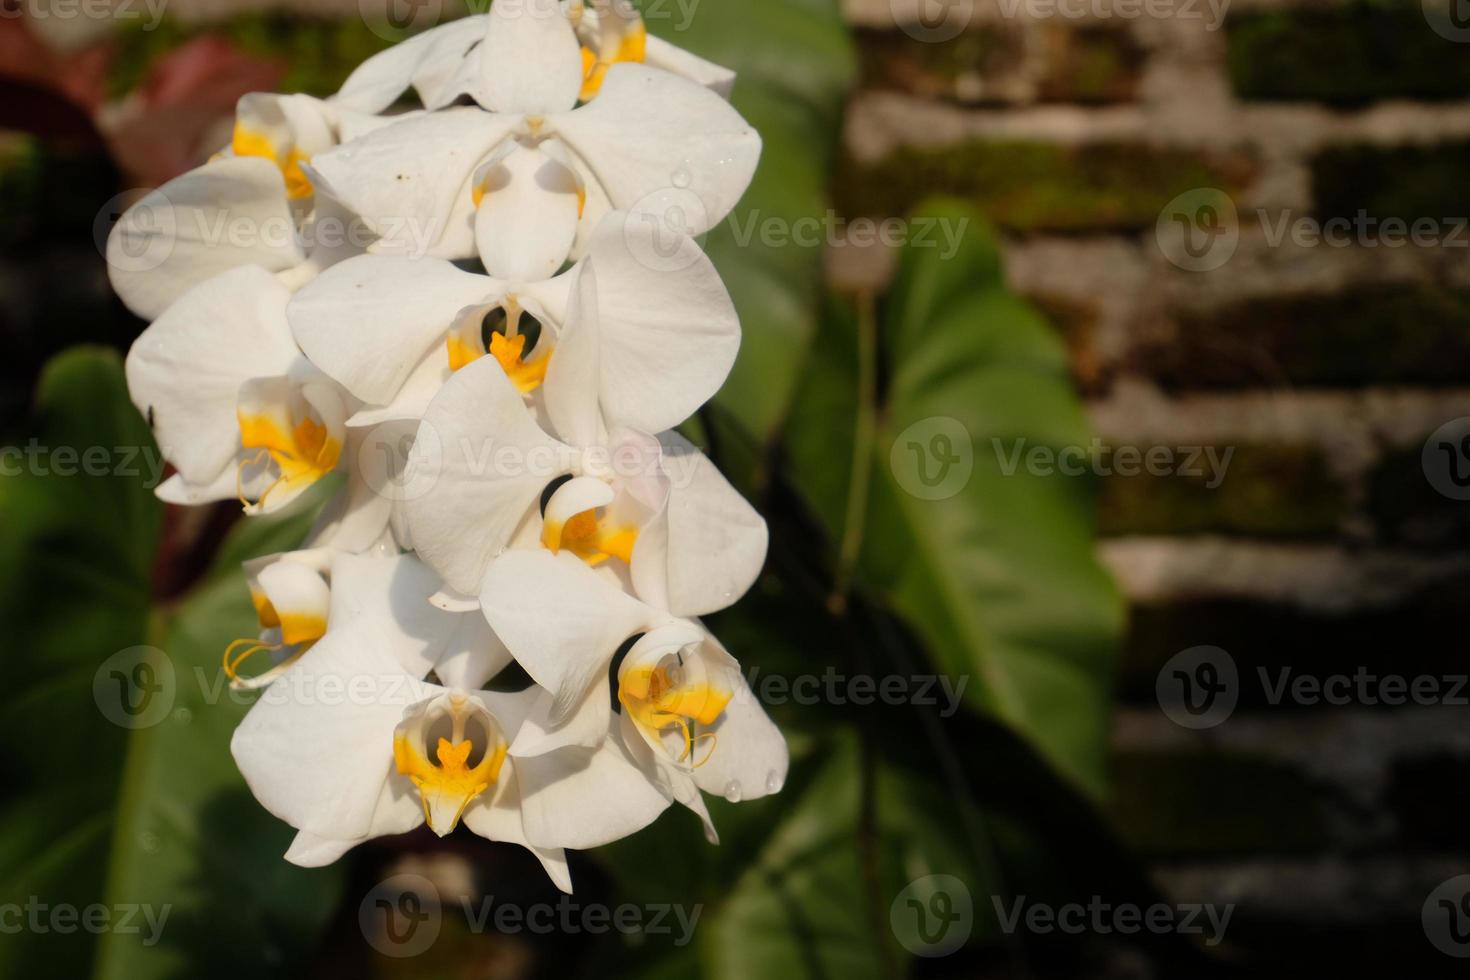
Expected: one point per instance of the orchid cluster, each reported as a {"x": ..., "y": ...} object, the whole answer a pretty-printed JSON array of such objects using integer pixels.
[{"x": 525, "y": 309}]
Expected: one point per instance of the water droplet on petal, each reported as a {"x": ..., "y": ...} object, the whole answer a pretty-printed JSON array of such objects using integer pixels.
[
  {"x": 774, "y": 782},
  {"x": 732, "y": 791}
]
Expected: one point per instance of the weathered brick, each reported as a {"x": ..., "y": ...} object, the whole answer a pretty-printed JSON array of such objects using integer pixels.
[
  {"x": 1267, "y": 491},
  {"x": 1384, "y": 335},
  {"x": 1405, "y": 182},
  {"x": 1405, "y": 638},
  {"x": 1408, "y": 511},
  {"x": 989, "y": 64},
  {"x": 1206, "y": 803},
  {"x": 1345, "y": 56},
  {"x": 1077, "y": 322},
  {"x": 1035, "y": 186}
]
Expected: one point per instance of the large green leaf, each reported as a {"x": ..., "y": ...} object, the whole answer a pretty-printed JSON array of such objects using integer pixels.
[
  {"x": 795, "y": 65},
  {"x": 992, "y": 561},
  {"x": 130, "y": 810}
]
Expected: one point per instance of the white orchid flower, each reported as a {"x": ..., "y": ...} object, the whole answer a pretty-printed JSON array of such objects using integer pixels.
[
  {"x": 238, "y": 410},
  {"x": 393, "y": 330},
  {"x": 665, "y": 686},
  {"x": 442, "y": 64},
  {"x": 523, "y": 183},
  {"x": 292, "y": 600},
  {"x": 252, "y": 204},
  {"x": 680, "y": 534},
  {"x": 351, "y": 742}
]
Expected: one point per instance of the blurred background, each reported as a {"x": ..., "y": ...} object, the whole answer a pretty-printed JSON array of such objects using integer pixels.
[{"x": 1106, "y": 385}]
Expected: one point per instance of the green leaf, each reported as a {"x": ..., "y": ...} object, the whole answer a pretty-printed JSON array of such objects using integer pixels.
[
  {"x": 989, "y": 561},
  {"x": 125, "y": 810},
  {"x": 795, "y": 64}
]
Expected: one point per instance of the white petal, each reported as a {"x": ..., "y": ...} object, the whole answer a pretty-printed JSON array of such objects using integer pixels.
[
  {"x": 410, "y": 182},
  {"x": 317, "y": 748},
  {"x": 671, "y": 780},
  {"x": 225, "y": 486},
  {"x": 661, "y": 54},
  {"x": 530, "y": 61},
  {"x": 398, "y": 811},
  {"x": 669, "y": 329},
  {"x": 707, "y": 547},
  {"x": 486, "y": 462},
  {"x": 583, "y": 798},
  {"x": 413, "y": 398},
  {"x": 184, "y": 372},
  {"x": 420, "y": 60},
  {"x": 561, "y": 620},
  {"x": 657, "y": 142},
  {"x": 571, "y": 390},
  {"x": 499, "y": 818},
  {"x": 231, "y": 212},
  {"x": 750, "y": 758},
  {"x": 585, "y": 726},
  {"x": 527, "y": 217},
  {"x": 390, "y": 597},
  {"x": 368, "y": 321},
  {"x": 356, "y": 519}
]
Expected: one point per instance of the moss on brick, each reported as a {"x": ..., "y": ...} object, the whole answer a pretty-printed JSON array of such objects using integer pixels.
[
  {"x": 1096, "y": 66},
  {"x": 1034, "y": 186},
  {"x": 1268, "y": 491},
  {"x": 1387, "y": 335},
  {"x": 1344, "y": 56},
  {"x": 1405, "y": 182},
  {"x": 1090, "y": 66}
]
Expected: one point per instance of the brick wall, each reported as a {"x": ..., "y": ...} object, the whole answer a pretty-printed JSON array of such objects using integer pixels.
[{"x": 1323, "y": 366}]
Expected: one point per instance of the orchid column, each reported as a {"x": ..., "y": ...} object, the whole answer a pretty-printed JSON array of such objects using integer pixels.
[{"x": 516, "y": 300}]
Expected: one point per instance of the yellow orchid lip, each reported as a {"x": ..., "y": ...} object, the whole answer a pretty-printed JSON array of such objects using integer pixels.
[
  {"x": 298, "y": 632},
  {"x": 668, "y": 697},
  {"x": 463, "y": 767},
  {"x": 506, "y": 341},
  {"x": 302, "y": 453},
  {"x": 247, "y": 142},
  {"x": 626, "y": 41}
]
